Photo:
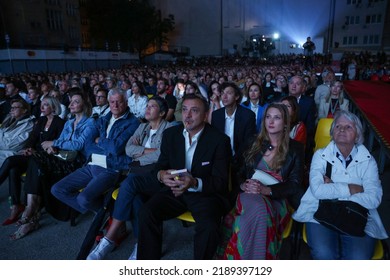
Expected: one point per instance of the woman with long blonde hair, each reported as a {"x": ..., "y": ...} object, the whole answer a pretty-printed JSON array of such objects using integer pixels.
[
  {"x": 270, "y": 185},
  {"x": 333, "y": 102}
]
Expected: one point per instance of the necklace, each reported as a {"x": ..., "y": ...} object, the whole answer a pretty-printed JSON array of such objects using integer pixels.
[{"x": 333, "y": 106}]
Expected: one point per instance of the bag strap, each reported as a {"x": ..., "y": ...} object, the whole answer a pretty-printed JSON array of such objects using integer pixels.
[{"x": 328, "y": 172}]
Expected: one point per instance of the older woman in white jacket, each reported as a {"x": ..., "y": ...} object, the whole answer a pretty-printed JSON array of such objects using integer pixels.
[
  {"x": 354, "y": 177},
  {"x": 15, "y": 129}
]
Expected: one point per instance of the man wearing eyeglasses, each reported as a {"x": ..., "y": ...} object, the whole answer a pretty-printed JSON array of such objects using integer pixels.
[
  {"x": 11, "y": 92},
  {"x": 101, "y": 108}
]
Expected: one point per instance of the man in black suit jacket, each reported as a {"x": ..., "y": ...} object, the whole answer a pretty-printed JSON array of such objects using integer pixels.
[
  {"x": 307, "y": 111},
  {"x": 205, "y": 153},
  {"x": 244, "y": 119}
]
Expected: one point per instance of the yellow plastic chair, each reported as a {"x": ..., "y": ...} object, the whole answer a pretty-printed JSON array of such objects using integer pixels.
[
  {"x": 187, "y": 216},
  {"x": 115, "y": 194},
  {"x": 322, "y": 135},
  {"x": 380, "y": 251},
  {"x": 287, "y": 230}
]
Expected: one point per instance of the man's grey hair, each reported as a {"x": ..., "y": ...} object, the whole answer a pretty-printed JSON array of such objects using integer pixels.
[{"x": 114, "y": 91}]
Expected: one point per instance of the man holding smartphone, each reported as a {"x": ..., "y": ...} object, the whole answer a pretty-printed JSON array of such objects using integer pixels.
[{"x": 201, "y": 188}]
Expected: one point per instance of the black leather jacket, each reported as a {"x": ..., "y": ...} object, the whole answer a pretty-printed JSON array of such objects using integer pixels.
[{"x": 292, "y": 173}]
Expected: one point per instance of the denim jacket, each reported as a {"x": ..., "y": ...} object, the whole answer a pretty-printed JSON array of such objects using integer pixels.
[
  {"x": 113, "y": 145},
  {"x": 78, "y": 139}
]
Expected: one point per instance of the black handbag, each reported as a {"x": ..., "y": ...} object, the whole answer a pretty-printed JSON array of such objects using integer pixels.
[
  {"x": 345, "y": 217},
  {"x": 67, "y": 155},
  {"x": 52, "y": 169}
]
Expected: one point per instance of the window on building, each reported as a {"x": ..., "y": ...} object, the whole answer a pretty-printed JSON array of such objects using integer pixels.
[
  {"x": 350, "y": 20},
  {"x": 54, "y": 20},
  {"x": 350, "y": 40},
  {"x": 70, "y": 9},
  {"x": 84, "y": 37},
  {"x": 72, "y": 32},
  {"x": 374, "y": 18},
  {"x": 84, "y": 21}
]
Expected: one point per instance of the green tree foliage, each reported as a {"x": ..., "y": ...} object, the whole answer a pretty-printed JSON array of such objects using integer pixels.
[{"x": 135, "y": 24}]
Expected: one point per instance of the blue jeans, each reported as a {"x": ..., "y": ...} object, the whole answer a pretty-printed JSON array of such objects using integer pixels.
[
  {"x": 132, "y": 192},
  {"x": 327, "y": 244},
  {"x": 93, "y": 179}
]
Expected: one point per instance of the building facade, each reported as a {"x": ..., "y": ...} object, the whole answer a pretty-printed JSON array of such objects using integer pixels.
[
  {"x": 40, "y": 24},
  {"x": 360, "y": 24},
  {"x": 227, "y": 26},
  {"x": 215, "y": 27}
]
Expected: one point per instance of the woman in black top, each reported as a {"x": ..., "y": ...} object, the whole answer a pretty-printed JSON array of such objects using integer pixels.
[{"x": 47, "y": 128}]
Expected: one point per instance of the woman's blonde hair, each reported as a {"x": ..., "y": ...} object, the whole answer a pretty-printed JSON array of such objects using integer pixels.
[
  {"x": 263, "y": 139},
  {"x": 341, "y": 96},
  {"x": 54, "y": 104}
]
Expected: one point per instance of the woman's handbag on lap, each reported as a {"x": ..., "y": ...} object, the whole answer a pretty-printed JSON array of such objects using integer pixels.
[
  {"x": 346, "y": 217},
  {"x": 66, "y": 155}
]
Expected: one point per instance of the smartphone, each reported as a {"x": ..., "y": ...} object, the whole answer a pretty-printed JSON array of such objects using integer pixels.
[{"x": 179, "y": 173}]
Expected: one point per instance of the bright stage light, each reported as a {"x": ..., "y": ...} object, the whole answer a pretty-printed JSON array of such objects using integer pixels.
[{"x": 276, "y": 36}]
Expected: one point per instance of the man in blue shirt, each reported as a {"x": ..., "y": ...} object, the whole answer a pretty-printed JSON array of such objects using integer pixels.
[{"x": 107, "y": 156}]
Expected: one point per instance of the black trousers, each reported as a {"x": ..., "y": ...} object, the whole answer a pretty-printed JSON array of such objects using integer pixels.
[
  {"x": 207, "y": 211},
  {"x": 13, "y": 168}
]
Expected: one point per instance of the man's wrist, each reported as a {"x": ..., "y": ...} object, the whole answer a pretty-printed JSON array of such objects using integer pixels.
[
  {"x": 195, "y": 184},
  {"x": 159, "y": 176}
]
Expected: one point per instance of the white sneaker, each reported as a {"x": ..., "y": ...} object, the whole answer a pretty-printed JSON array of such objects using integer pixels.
[
  {"x": 133, "y": 255},
  {"x": 104, "y": 247}
]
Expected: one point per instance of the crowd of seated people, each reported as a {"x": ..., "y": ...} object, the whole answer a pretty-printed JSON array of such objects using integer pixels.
[{"x": 150, "y": 121}]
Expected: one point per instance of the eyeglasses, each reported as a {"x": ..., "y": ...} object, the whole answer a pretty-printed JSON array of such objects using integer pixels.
[
  {"x": 100, "y": 97},
  {"x": 16, "y": 107}
]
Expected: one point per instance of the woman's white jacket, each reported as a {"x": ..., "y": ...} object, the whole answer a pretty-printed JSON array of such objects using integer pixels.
[
  {"x": 362, "y": 171},
  {"x": 13, "y": 139}
]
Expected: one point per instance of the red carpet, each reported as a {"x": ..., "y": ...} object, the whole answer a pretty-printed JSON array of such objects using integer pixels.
[{"x": 373, "y": 99}]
